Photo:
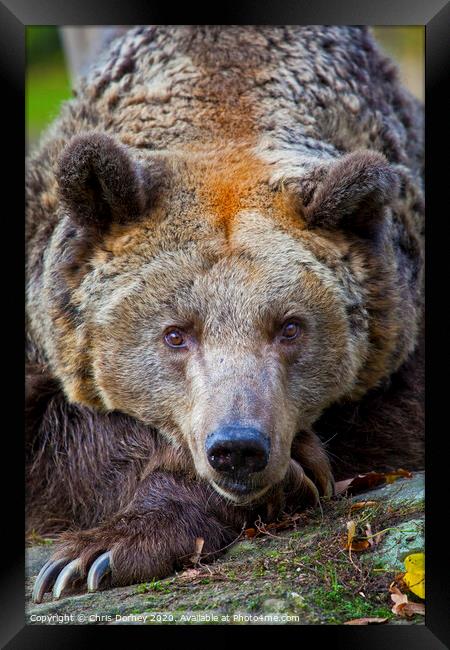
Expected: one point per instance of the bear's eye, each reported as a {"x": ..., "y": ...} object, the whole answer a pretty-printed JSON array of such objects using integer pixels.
[
  {"x": 175, "y": 338},
  {"x": 291, "y": 330}
]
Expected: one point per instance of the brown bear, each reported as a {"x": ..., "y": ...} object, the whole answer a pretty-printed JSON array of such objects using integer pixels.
[{"x": 224, "y": 291}]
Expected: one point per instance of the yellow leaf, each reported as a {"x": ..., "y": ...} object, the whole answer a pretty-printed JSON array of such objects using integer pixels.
[{"x": 414, "y": 577}]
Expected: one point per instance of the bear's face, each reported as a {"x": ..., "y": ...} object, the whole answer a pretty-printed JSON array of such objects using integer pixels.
[
  {"x": 228, "y": 329},
  {"x": 194, "y": 343}
]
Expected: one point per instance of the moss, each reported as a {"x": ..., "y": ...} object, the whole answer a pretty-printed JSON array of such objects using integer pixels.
[
  {"x": 339, "y": 605},
  {"x": 259, "y": 571},
  {"x": 155, "y": 585},
  {"x": 253, "y": 604},
  {"x": 273, "y": 553},
  {"x": 282, "y": 569},
  {"x": 296, "y": 534},
  {"x": 242, "y": 548}
]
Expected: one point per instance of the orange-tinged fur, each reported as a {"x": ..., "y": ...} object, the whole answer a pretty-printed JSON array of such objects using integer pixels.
[{"x": 228, "y": 185}]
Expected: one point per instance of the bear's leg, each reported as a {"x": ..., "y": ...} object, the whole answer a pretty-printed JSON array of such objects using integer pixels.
[{"x": 149, "y": 539}]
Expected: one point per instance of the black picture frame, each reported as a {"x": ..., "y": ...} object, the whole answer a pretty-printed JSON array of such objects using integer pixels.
[{"x": 15, "y": 15}]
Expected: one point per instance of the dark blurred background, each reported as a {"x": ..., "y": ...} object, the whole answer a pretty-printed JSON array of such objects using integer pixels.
[{"x": 48, "y": 82}]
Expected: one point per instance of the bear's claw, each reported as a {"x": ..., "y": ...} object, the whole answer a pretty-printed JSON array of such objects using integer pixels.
[
  {"x": 46, "y": 578},
  {"x": 98, "y": 570},
  {"x": 60, "y": 573},
  {"x": 70, "y": 572}
]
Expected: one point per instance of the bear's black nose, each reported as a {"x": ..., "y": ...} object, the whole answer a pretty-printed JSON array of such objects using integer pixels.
[{"x": 237, "y": 449}]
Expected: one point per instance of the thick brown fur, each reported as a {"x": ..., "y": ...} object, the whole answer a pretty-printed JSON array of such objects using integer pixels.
[{"x": 223, "y": 181}]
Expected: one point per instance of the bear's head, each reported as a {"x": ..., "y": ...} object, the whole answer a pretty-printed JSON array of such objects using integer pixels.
[{"x": 227, "y": 313}]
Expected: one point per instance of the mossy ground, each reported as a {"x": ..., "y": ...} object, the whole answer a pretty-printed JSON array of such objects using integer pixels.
[{"x": 302, "y": 575}]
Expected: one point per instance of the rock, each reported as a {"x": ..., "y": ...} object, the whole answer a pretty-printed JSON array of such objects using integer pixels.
[
  {"x": 408, "y": 491},
  {"x": 407, "y": 538},
  {"x": 275, "y": 605}
]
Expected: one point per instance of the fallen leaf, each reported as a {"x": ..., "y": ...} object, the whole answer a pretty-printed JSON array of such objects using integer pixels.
[
  {"x": 399, "y": 473},
  {"x": 410, "y": 609},
  {"x": 189, "y": 574},
  {"x": 369, "y": 534},
  {"x": 367, "y": 481},
  {"x": 250, "y": 533},
  {"x": 199, "y": 542},
  {"x": 362, "y": 504},
  {"x": 402, "y": 606},
  {"x": 414, "y": 577},
  {"x": 341, "y": 486},
  {"x": 373, "y": 538},
  {"x": 366, "y": 621},
  {"x": 351, "y": 532},
  {"x": 352, "y": 544},
  {"x": 360, "y": 545},
  {"x": 364, "y": 482},
  {"x": 398, "y": 599}
]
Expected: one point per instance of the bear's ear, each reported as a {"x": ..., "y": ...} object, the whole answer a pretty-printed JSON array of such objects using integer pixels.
[
  {"x": 353, "y": 194},
  {"x": 101, "y": 184}
]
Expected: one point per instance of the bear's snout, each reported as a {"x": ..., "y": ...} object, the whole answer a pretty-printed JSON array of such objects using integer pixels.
[{"x": 238, "y": 450}]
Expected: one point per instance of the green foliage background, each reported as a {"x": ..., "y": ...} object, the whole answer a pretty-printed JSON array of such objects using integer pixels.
[{"x": 48, "y": 83}]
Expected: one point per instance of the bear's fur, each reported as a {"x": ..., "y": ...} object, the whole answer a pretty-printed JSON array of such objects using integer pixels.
[{"x": 222, "y": 181}]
